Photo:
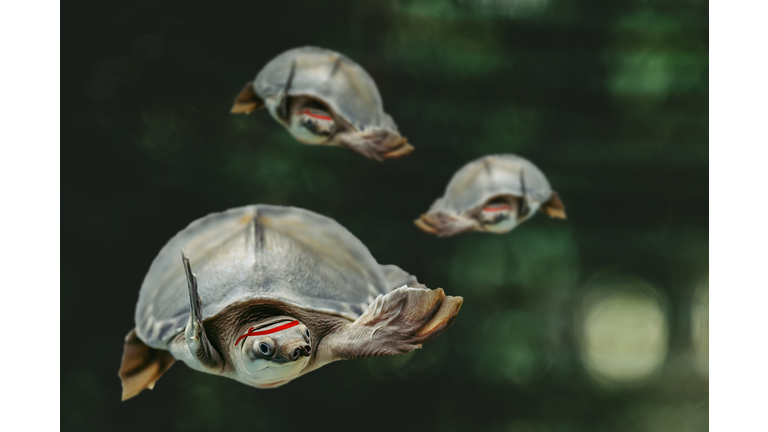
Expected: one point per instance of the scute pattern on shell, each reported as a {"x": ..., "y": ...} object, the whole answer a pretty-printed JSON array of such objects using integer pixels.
[
  {"x": 490, "y": 176},
  {"x": 260, "y": 251},
  {"x": 331, "y": 77}
]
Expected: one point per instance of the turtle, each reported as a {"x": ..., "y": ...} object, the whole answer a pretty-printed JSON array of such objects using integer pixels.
[
  {"x": 494, "y": 193},
  {"x": 264, "y": 294},
  {"x": 323, "y": 97}
]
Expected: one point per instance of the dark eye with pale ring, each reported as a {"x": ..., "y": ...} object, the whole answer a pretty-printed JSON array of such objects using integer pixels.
[
  {"x": 306, "y": 333},
  {"x": 265, "y": 349}
]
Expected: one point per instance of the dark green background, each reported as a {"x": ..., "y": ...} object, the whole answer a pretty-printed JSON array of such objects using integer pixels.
[{"x": 608, "y": 98}]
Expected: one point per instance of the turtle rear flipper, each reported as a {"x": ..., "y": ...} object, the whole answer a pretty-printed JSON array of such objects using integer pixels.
[
  {"x": 396, "y": 323},
  {"x": 142, "y": 366},
  {"x": 554, "y": 207},
  {"x": 247, "y": 101}
]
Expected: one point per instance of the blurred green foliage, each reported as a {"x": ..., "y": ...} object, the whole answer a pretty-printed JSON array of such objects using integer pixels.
[{"x": 609, "y": 99}]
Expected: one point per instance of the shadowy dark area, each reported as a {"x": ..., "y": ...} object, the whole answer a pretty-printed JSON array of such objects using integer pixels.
[{"x": 596, "y": 323}]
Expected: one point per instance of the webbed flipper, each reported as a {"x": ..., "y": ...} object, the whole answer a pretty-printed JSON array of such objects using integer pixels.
[
  {"x": 197, "y": 341},
  {"x": 377, "y": 144},
  {"x": 554, "y": 207},
  {"x": 443, "y": 224},
  {"x": 396, "y": 323},
  {"x": 247, "y": 101},
  {"x": 141, "y": 366},
  {"x": 524, "y": 209},
  {"x": 283, "y": 110}
]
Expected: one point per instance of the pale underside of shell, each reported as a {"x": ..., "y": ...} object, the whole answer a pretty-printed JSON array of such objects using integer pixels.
[
  {"x": 483, "y": 180},
  {"x": 260, "y": 252}
]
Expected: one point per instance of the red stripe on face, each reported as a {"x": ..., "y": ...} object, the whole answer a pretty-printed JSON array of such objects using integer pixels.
[
  {"x": 496, "y": 209},
  {"x": 266, "y": 332},
  {"x": 317, "y": 116}
]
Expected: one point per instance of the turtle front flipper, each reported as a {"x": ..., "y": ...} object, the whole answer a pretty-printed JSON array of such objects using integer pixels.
[
  {"x": 443, "y": 224},
  {"x": 142, "y": 365},
  {"x": 197, "y": 341},
  {"x": 377, "y": 144},
  {"x": 247, "y": 101},
  {"x": 396, "y": 323},
  {"x": 282, "y": 99}
]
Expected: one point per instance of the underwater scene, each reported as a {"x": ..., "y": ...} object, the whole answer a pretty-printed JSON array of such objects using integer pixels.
[{"x": 585, "y": 296}]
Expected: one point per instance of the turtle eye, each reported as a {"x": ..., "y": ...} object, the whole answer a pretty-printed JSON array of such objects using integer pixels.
[
  {"x": 266, "y": 349},
  {"x": 306, "y": 334}
]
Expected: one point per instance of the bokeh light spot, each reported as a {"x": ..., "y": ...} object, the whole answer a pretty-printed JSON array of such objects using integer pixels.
[
  {"x": 623, "y": 333},
  {"x": 700, "y": 326}
]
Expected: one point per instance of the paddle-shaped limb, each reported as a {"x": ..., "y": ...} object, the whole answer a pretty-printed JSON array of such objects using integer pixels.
[
  {"x": 142, "y": 366},
  {"x": 198, "y": 343},
  {"x": 554, "y": 207},
  {"x": 396, "y": 323},
  {"x": 247, "y": 101}
]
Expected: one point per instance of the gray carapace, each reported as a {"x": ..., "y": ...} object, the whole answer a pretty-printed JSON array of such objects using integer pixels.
[
  {"x": 264, "y": 294},
  {"x": 323, "y": 97},
  {"x": 491, "y": 194}
]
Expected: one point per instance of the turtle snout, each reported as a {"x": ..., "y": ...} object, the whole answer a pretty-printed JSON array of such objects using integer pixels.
[{"x": 301, "y": 351}]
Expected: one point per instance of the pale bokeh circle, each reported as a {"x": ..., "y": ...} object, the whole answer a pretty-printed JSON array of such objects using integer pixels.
[
  {"x": 623, "y": 332},
  {"x": 700, "y": 326}
]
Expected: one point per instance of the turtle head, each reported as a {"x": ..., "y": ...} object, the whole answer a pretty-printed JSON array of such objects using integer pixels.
[
  {"x": 311, "y": 125},
  {"x": 310, "y": 122},
  {"x": 502, "y": 214},
  {"x": 271, "y": 352}
]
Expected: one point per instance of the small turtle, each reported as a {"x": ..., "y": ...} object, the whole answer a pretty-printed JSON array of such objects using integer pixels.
[
  {"x": 323, "y": 97},
  {"x": 277, "y": 292},
  {"x": 492, "y": 194}
]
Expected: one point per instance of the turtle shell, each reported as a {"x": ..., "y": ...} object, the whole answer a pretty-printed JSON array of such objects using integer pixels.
[
  {"x": 490, "y": 176},
  {"x": 258, "y": 252},
  {"x": 331, "y": 77}
]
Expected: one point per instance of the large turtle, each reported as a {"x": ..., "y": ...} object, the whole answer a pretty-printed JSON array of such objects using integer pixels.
[
  {"x": 493, "y": 194},
  {"x": 323, "y": 97},
  {"x": 276, "y": 292}
]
